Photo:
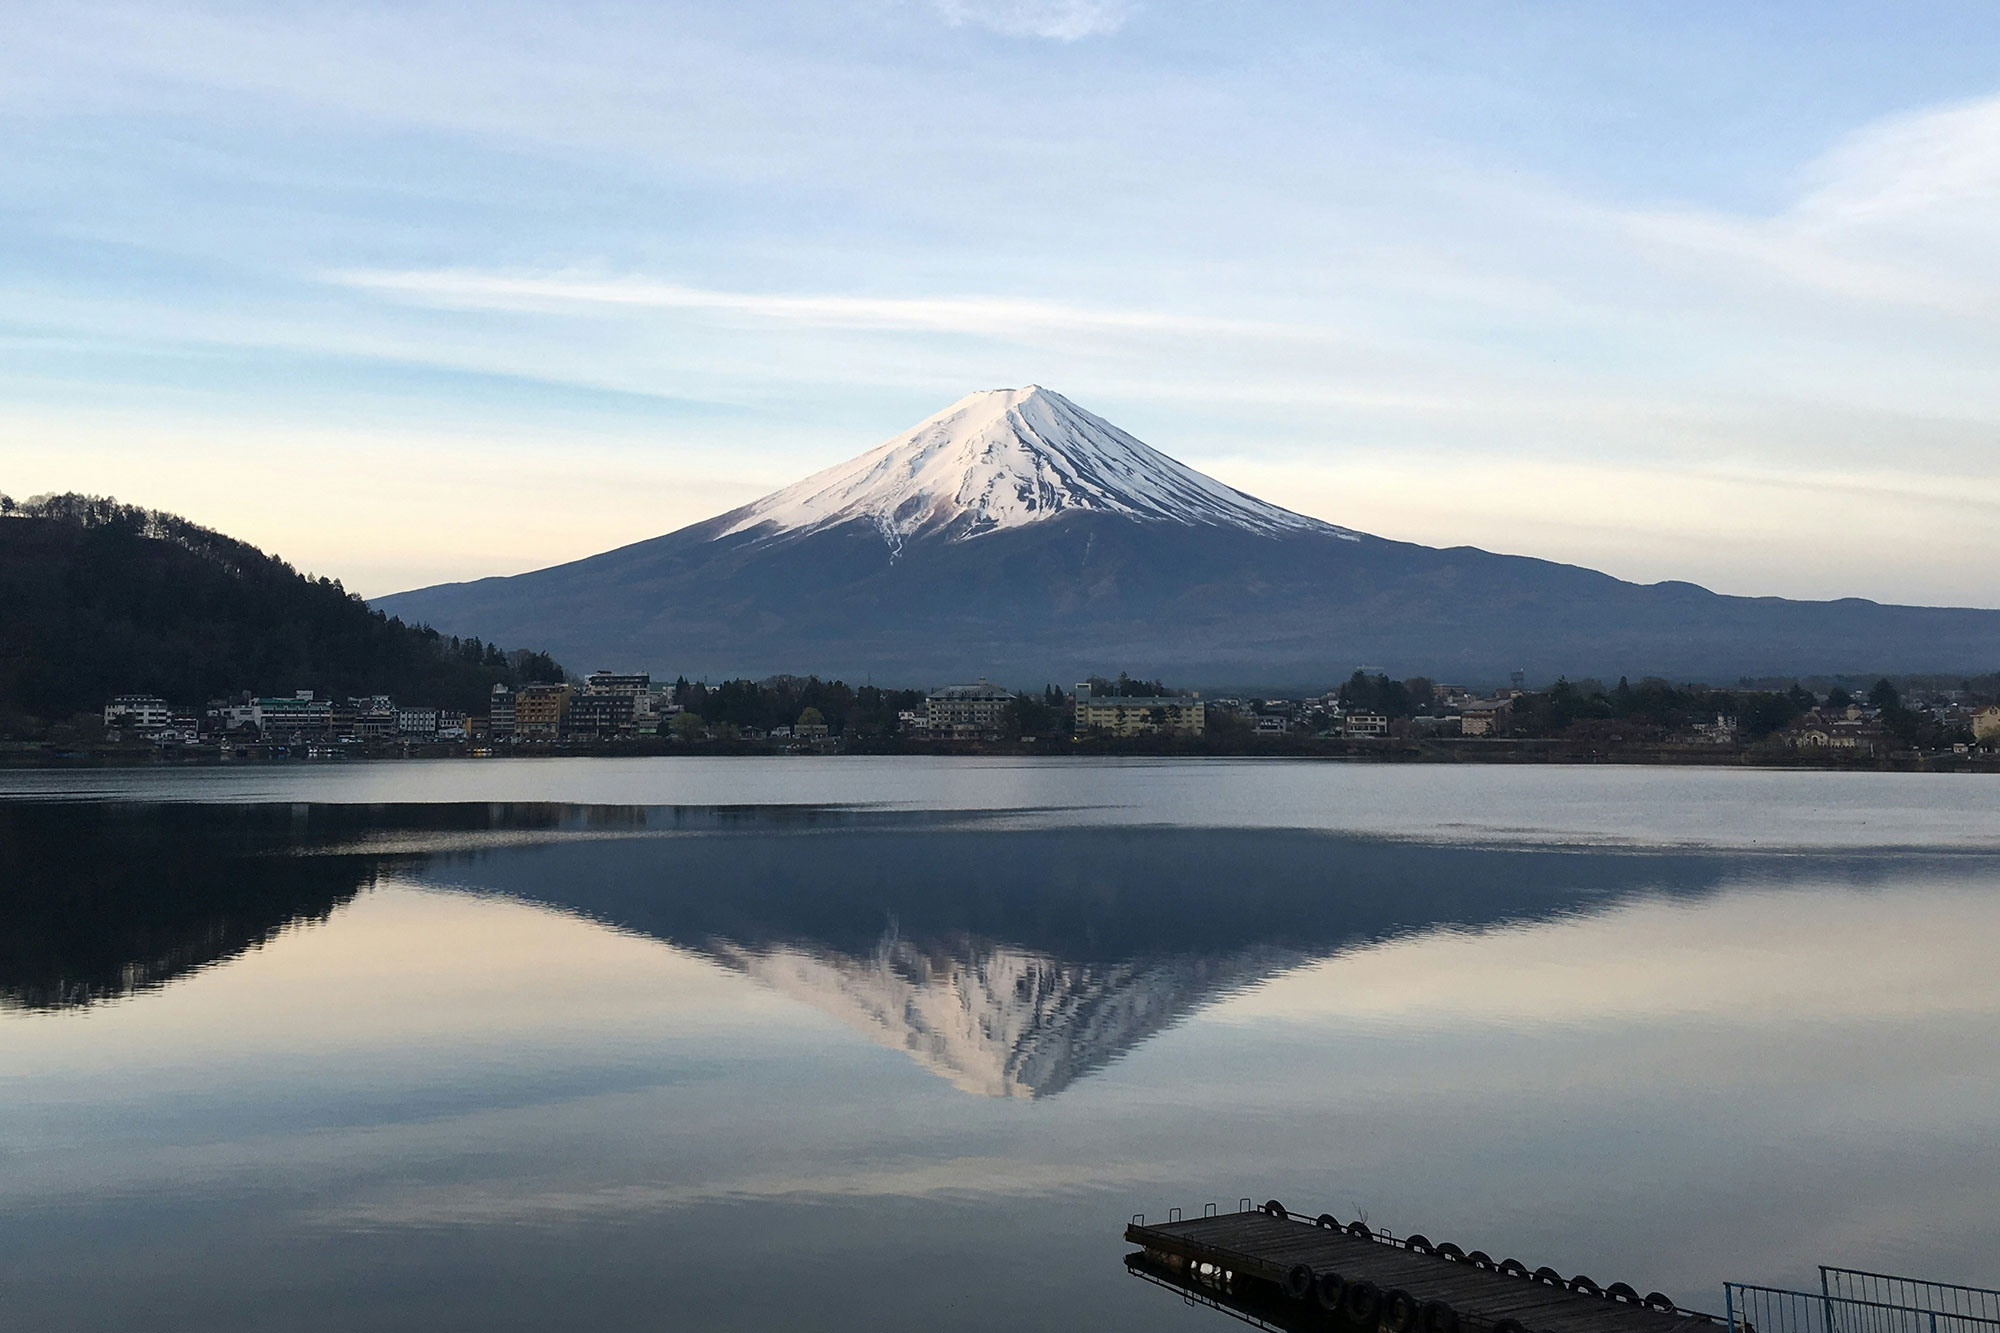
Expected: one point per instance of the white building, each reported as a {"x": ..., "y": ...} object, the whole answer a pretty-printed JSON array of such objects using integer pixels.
[
  {"x": 138, "y": 712},
  {"x": 418, "y": 721},
  {"x": 500, "y": 713},
  {"x": 966, "y": 710},
  {"x": 233, "y": 717},
  {"x": 631, "y": 684},
  {"x": 1367, "y": 725},
  {"x": 1722, "y": 731}
]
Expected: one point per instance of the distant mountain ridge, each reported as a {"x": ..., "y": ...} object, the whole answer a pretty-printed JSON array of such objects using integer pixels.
[{"x": 1017, "y": 536}]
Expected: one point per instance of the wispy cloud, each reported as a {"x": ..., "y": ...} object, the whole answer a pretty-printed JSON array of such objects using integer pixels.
[
  {"x": 1930, "y": 164},
  {"x": 988, "y": 315},
  {"x": 1059, "y": 20},
  {"x": 1904, "y": 211},
  {"x": 1781, "y": 249}
]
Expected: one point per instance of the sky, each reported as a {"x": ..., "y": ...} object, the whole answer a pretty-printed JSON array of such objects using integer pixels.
[{"x": 410, "y": 292}]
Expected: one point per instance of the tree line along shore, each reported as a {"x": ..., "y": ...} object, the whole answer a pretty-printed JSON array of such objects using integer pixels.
[
  {"x": 132, "y": 635},
  {"x": 1908, "y": 724}
]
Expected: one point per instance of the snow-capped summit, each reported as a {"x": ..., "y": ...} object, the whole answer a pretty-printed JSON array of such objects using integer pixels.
[
  {"x": 1017, "y": 537},
  {"x": 997, "y": 1020},
  {"x": 1003, "y": 458}
]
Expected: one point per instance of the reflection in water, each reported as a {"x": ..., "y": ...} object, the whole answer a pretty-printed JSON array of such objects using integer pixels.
[
  {"x": 547, "y": 1072},
  {"x": 1255, "y": 1303},
  {"x": 1015, "y": 961},
  {"x": 995, "y": 1019},
  {"x": 97, "y": 904},
  {"x": 1010, "y": 961}
]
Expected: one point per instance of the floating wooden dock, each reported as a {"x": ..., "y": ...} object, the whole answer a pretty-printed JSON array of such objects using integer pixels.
[{"x": 1281, "y": 1270}]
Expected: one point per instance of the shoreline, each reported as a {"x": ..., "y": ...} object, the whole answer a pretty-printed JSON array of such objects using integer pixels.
[{"x": 1527, "y": 752}]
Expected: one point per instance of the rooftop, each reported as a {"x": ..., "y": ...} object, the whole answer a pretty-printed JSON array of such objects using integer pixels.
[{"x": 984, "y": 689}]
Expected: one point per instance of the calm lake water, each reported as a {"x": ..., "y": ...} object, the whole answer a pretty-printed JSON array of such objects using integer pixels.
[{"x": 901, "y": 1044}]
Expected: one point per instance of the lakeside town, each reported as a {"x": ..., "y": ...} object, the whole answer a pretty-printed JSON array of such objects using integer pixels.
[{"x": 1369, "y": 716}]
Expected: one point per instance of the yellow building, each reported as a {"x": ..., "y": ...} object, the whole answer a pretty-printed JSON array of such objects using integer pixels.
[
  {"x": 1114, "y": 715},
  {"x": 540, "y": 711},
  {"x": 1986, "y": 723}
]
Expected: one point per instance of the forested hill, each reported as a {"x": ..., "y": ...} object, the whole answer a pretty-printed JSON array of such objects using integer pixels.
[{"x": 99, "y": 599}]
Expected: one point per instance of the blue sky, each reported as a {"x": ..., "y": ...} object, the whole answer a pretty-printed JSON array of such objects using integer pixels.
[{"x": 417, "y": 291}]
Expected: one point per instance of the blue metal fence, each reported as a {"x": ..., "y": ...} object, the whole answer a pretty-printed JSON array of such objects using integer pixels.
[
  {"x": 1951, "y": 1299},
  {"x": 1754, "y": 1309}
]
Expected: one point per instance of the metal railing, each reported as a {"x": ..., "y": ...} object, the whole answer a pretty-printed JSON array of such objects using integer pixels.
[
  {"x": 1754, "y": 1309},
  {"x": 1949, "y": 1299}
]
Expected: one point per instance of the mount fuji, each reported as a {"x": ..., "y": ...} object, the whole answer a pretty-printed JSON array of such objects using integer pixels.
[
  {"x": 1004, "y": 459},
  {"x": 1017, "y": 536}
]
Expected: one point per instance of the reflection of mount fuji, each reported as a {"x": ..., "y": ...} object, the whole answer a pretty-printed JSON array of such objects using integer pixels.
[
  {"x": 1015, "y": 962},
  {"x": 999, "y": 1020},
  {"x": 1011, "y": 961}
]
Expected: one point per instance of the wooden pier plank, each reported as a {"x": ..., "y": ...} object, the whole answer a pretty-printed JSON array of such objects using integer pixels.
[{"x": 1256, "y": 1244}]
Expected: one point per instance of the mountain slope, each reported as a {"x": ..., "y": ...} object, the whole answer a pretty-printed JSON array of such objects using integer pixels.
[
  {"x": 99, "y": 598},
  {"x": 1003, "y": 459},
  {"x": 1016, "y": 536}
]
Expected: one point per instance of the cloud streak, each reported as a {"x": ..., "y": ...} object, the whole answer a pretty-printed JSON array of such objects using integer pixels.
[
  {"x": 1058, "y": 20},
  {"x": 988, "y": 315}
]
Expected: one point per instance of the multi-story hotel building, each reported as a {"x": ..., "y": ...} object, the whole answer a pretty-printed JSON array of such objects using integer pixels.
[
  {"x": 540, "y": 712},
  {"x": 966, "y": 711},
  {"x": 1128, "y": 715},
  {"x": 140, "y": 712},
  {"x": 500, "y": 714}
]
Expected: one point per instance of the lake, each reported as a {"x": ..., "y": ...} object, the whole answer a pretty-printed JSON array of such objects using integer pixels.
[{"x": 902, "y": 1043}]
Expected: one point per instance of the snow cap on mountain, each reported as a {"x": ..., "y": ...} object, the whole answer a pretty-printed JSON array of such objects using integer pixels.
[
  {"x": 994, "y": 1019},
  {"x": 1003, "y": 458}
]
